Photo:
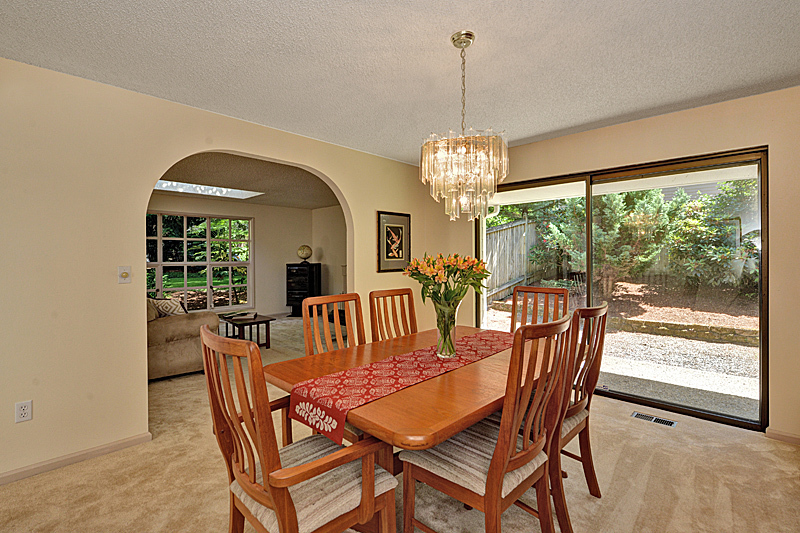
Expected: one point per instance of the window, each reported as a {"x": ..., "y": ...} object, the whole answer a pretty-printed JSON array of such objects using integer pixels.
[
  {"x": 202, "y": 260},
  {"x": 675, "y": 248}
]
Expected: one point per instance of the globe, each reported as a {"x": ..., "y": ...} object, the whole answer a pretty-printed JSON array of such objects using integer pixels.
[{"x": 304, "y": 252}]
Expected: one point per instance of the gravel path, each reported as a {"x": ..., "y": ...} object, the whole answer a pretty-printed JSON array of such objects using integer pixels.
[{"x": 729, "y": 359}]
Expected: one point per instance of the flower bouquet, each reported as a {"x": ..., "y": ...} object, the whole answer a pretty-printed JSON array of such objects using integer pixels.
[{"x": 446, "y": 280}]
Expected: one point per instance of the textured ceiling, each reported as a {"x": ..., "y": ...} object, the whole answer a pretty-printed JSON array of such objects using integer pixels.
[
  {"x": 380, "y": 75},
  {"x": 282, "y": 185}
]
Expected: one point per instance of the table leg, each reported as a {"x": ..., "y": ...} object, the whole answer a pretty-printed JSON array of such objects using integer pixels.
[
  {"x": 266, "y": 340},
  {"x": 240, "y": 330}
]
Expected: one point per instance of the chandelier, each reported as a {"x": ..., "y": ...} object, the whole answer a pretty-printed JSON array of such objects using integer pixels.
[{"x": 465, "y": 169}]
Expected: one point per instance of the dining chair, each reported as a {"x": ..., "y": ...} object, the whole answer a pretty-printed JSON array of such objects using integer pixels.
[
  {"x": 340, "y": 312},
  {"x": 392, "y": 314},
  {"x": 489, "y": 465},
  {"x": 544, "y": 304},
  {"x": 587, "y": 336},
  {"x": 323, "y": 313},
  {"x": 312, "y": 484}
]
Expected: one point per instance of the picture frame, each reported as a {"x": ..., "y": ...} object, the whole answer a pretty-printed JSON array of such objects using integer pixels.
[{"x": 394, "y": 241}]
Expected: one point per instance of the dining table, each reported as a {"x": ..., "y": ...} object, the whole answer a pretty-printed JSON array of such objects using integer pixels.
[{"x": 419, "y": 416}]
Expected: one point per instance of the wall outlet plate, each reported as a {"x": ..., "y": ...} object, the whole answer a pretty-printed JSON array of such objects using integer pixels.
[{"x": 23, "y": 411}]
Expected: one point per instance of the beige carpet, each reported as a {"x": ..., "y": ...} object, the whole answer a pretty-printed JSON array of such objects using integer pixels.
[{"x": 698, "y": 476}]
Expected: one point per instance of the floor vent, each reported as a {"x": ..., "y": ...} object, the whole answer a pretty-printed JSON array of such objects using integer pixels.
[{"x": 657, "y": 420}]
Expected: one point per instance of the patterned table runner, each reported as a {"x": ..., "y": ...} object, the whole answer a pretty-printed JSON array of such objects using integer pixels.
[{"x": 322, "y": 403}]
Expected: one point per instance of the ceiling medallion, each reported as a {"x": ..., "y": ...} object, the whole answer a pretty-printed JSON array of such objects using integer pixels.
[{"x": 465, "y": 169}]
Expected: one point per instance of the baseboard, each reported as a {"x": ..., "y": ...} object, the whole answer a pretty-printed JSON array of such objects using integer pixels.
[
  {"x": 64, "y": 460},
  {"x": 785, "y": 437}
]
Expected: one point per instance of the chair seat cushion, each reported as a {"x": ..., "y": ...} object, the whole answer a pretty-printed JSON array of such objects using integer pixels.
[
  {"x": 320, "y": 499},
  {"x": 464, "y": 458},
  {"x": 572, "y": 422}
]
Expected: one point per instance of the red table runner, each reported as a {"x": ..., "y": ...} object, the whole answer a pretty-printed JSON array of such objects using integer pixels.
[{"x": 322, "y": 403}]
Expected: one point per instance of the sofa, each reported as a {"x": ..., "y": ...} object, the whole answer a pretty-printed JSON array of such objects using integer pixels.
[{"x": 173, "y": 341}]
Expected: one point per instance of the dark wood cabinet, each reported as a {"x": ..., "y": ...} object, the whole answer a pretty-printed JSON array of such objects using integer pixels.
[{"x": 302, "y": 280}]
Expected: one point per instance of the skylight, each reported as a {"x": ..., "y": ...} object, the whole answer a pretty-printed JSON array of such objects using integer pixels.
[{"x": 191, "y": 188}]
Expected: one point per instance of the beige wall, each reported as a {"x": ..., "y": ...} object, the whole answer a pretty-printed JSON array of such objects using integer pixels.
[
  {"x": 329, "y": 243},
  {"x": 78, "y": 161},
  {"x": 277, "y": 232},
  {"x": 771, "y": 119}
]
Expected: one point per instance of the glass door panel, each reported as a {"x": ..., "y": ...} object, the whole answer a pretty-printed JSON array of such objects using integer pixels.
[
  {"x": 534, "y": 236},
  {"x": 677, "y": 257}
]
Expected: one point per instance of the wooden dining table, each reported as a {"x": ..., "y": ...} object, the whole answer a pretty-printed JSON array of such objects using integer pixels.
[{"x": 421, "y": 415}]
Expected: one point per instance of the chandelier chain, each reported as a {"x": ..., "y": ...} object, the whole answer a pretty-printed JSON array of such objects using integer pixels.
[{"x": 463, "y": 89}]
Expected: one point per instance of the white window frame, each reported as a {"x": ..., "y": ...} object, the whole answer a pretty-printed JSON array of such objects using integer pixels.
[{"x": 182, "y": 293}]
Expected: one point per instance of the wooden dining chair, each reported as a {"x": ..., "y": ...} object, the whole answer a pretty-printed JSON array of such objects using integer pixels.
[
  {"x": 587, "y": 336},
  {"x": 489, "y": 465},
  {"x": 392, "y": 314},
  {"x": 544, "y": 304},
  {"x": 310, "y": 485},
  {"x": 340, "y": 312}
]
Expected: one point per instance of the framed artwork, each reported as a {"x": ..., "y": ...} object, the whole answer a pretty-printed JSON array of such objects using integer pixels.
[{"x": 394, "y": 241}]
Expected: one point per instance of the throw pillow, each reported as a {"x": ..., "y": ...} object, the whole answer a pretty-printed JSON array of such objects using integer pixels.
[{"x": 168, "y": 307}]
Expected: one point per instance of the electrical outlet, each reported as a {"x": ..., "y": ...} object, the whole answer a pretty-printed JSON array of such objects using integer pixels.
[{"x": 23, "y": 411}]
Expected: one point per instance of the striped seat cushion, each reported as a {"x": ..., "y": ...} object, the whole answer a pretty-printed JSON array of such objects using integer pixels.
[
  {"x": 464, "y": 458},
  {"x": 320, "y": 499},
  {"x": 573, "y": 421}
]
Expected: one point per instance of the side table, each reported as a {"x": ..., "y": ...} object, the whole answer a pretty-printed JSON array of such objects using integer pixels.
[{"x": 239, "y": 326}]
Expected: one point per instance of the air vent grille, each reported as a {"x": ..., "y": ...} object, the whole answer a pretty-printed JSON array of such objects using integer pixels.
[{"x": 655, "y": 419}]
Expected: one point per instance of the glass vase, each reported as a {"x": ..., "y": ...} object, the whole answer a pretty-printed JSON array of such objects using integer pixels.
[{"x": 446, "y": 326}]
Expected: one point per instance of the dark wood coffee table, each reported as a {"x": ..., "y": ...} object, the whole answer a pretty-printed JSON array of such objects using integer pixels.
[{"x": 239, "y": 326}]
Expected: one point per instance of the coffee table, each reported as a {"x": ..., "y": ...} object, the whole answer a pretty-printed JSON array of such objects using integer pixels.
[{"x": 239, "y": 326}]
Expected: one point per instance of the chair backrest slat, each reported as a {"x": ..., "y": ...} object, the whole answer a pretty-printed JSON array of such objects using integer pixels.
[
  {"x": 553, "y": 303},
  {"x": 392, "y": 313},
  {"x": 317, "y": 313}
]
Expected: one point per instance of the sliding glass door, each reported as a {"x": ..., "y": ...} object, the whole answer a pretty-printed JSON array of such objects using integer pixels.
[{"x": 677, "y": 253}]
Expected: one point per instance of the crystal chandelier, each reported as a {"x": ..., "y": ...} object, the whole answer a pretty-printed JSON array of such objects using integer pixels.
[{"x": 465, "y": 169}]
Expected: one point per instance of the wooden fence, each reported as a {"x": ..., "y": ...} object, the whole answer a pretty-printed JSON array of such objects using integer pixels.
[{"x": 507, "y": 257}]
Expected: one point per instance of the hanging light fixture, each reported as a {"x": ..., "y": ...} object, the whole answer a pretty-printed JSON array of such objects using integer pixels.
[{"x": 465, "y": 169}]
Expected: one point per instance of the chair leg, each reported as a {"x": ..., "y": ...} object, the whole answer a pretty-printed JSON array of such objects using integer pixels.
[
  {"x": 543, "y": 504},
  {"x": 409, "y": 487},
  {"x": 236, "y": 524},
  {"x": 587, "y": 462},
  {"x": 493, "y": 516},
  {"x": 387, "y": 521},
  {"x": 286, "y": 426},
  {"x": 557, "y": 491}
]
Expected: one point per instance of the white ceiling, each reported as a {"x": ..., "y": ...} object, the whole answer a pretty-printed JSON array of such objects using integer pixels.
[{"x": 380, "y": 75}]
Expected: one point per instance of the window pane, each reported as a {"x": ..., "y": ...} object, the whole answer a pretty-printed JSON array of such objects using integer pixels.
[
  {"x": 196, "y": 227},
  {"x": 151, "y": 278},
  {"x": 240, "y": 230},
  {"x": 239, "y": 295},
  {"x": 151, "y": 294},
  {"x": 239, "y": 275},
  {"x": 221, "y": 297},
  {"x": 219, "y": 251},
  {"x": 151, "y": 225},
  {"x": 171, "y": 226},
  {"x": 197, "y": 276},
  {"x": 219, "y": 228},
  {"x": 152, "y": 250},
  {"x": 173, "y": 251},
  {"x": 197, "y": 299},
  {"x": 240, "y": 251},
  {"x": 221, "y": 276},
  {"x": 172, "y": 277},
  {"x": 196, "y": 251},
  {"x": 173, "y": 295}
]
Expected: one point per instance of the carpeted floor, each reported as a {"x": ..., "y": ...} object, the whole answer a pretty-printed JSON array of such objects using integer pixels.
[{"x": 698, "y": 476}]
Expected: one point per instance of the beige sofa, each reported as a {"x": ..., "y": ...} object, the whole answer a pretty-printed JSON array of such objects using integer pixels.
[{"x": 173, "y": 342}]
